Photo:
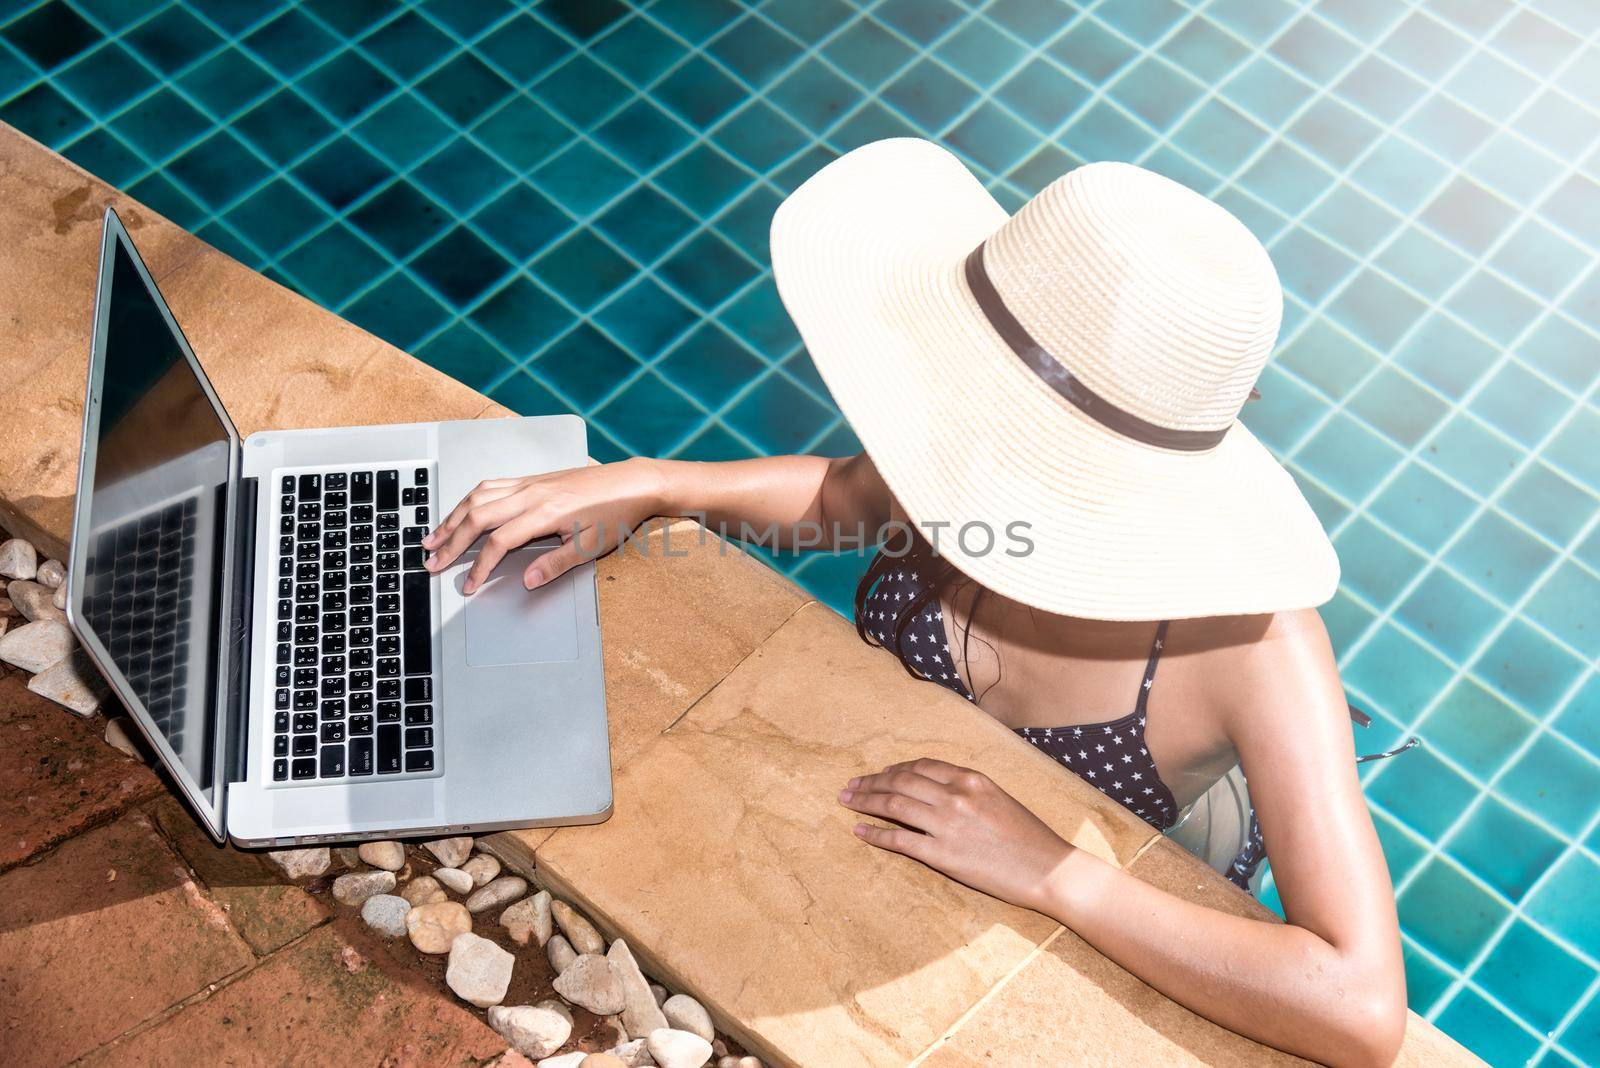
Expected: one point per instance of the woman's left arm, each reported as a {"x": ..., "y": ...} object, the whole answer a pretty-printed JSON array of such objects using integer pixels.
[{"x": 1328, "y": 984}]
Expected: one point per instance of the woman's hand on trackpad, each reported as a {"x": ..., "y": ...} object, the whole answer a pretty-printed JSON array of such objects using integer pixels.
[{"x": 589, "y": 508}]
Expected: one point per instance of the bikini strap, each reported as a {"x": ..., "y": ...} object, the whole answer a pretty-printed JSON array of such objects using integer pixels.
[{"x": 1150, "y": 668}]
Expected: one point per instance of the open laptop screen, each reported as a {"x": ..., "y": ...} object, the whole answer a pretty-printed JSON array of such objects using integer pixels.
[{"x": 153, "y": 553}]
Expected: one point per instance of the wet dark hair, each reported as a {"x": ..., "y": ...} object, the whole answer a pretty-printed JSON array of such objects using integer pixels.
[{"x": 905, "y": 547}]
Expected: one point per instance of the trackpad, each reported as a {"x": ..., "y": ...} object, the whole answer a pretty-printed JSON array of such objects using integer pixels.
[{"x": 507, "y": 624}]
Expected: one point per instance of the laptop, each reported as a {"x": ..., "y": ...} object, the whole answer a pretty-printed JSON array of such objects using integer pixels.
[{"x": 261, "y": 608}]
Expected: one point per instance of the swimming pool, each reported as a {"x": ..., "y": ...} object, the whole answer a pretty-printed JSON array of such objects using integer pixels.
[{"x": 566, "y": 206}]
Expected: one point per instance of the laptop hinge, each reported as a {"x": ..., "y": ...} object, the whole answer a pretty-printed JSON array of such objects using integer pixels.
[{"x": 242, "y": 599}]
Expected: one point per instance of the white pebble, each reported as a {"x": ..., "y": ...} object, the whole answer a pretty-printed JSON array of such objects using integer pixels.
[
  {"x": 533, "y": 1030},
  {"x": 660, "y": 992},
  {"x": 434, "y": 927},
  {"x": 74, "y": 683},
  {"x": 560, "y": 953},
  {"x": 591, "y": 982},
  {"x": 633, "y": 1054},
  {"x": 450, "y": 852},
  {"x": 386, "y": 914},
  {"x": 479, "y": 971},
  {"x": 483, "y": 868},
  {"x": 356, "y": 887},
  {"x": 502, "y": 891},
  {"x": 677, "y": 1049},
  {"x": 51, "y": 573},
  {"x": 565, "y": 1060},
  {"x": 59, "y": 601},
  {"x": 300, "y": 863},
  {"x": 34, "y": 601},
  {"x": 579, "y": 931},
  {"x": 18, "y": 559},
  {"x": 389, "y": 856},
  {"x": 120, "y": 733},
  {"x": 640, "y": 1012},
  {"x": 454, "y": 878},
  {"x": 686, "y": 1014},
  {"x": 35, "y": 646},
  {"x": 529, "y": 919}
]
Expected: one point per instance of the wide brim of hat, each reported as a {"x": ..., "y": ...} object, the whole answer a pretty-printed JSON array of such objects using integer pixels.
[{"x": 868, "y": 257}]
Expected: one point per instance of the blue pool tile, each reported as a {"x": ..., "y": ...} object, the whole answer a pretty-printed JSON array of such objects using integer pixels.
[
  {"x": 464, "y": 176},
  {"x": 407, "y": 45},
  {"x": 644, "y": 223},
  {"x": 460, "y": 265},
  {"x": 1565, "y": 901},
  {"x": 1425, "y": 979},
  {"x": 1499, "y": 556},
  {"x": 1518, "y": 403},
  {"x": 1154, "y": 90},
  {"x": 754, "y": 51},
  {"x": 522, "y": 318},
  {"x": 1310, "y": 267},
  {"x": 1354, "y": 220},
  {"x": 1578, "y": 720},
  {"x": 1486, "y": 1030},
  {"x": 1422, "y": 792},
  {"x": 1400, "y": 174},
  {"x": 1347, "y": 621},
  {"x": 466, "y": 355},
  {"x": 1569, "y": 354},
  {"x": 1582, "y": 1035},
  {"x": 649, "y": 417},
  {"x": 929, "y": 94},
  {"x": 403, "y": 130},
  {"x": 51, "y": 34},
  {"x": 342, "y": 172},
  {"x": 813, "y": 95},
  {"x": 283, "y": 126},
  {"x": 1575, "y": 449},
  {"x": 1491, "y": 85},
  {"x": 521, "y": 221},
  {"x": 583, "y": 269},
  {"x": 870, "y": 122},
  {"x": 347, "y": 86},
  {"x": 276, "y": 216},
  {"x": 585, "y": 365},
  {"x": 1399, "y": 407},
  {"x": 217, "y": 168},
  {"x": 45, "y": 114},
  {"x": 695, "y": 20},
  {"x": 1529, "y": 668},
  {"x": 711, "y": 365},
  {"x": 104, "y": 155},
  {"x": 867, "y": 52},
  {"x": 1088, "y": 49},
  {"x": 1515, "y": 168},
  {"x": 1380, "y": 88},
  {"x": 1574, "y": 207},
  {"x": 1326, "y": 356},
  {"x": 1468, "y": 451},
  {"x": 158, "y": 125},
  {"x": 523, "y": 48},
  {"x": 1348, "y": 457},
  {"x": 748, "y": 224},
  {"x": 351, "y": 18},
  {"x": 1477, "y": 728},
  {"x": 116, "y": 14},
  {"x": 1219, "y": 135},
  {"x": 1045, "y": 96},
  {"x": 924, "y": 21},
  {"x": 699, "y": 92},
  {"x": 1449, "y": 615},
  {"x": 1448, "y": 913},
  {"x": 1267, "y": 91},
  {"x": 1376, "y": 310},
  {"x": 1104, "y": 131},
  {"x": 1314, "y": 49},
  {"x": 778, "y": 415},
  {"x": 1334, "y": 133},
  {"x": 645, "y": 318},
  {"x": 524, "y": 394},
  {"x": 465, "y": 89},
  {"x": 106, "y": 78},
  {"x": 227, "y": 82},
  {"x": 1556, "y": 781},
  {"x": 401, "y": 219},
  {"x": 468, "y": 18},
  {"x": 1423, "y": 262},
  {"x": 760, "y": 137},
  {"x": 758, "y": 317},
  {"x": 1550, "y": 503},
  {"x": 333, "y": 264},
  {"x": 1504, "y": 848},
  {"x": 1537, "y": 257},
  {"x": 159, "y": 192},
  {"x": 584, "y": 19},
  {"x": 522, "y": 133},
  {"x": 1559, "y": 124},
  {"x": 1564, "y": 604},
  {"x": 1468, "y": 215},
  {"x": 1204, "y": 50},
  {"x": 397, "y": 310},
  {"x": 1423, "y": 506},
  {"x": 1533, "y": 976},
  {"x": 1494, "y": 307},
  {"x": 1403, "y": 849},
  {"x": 173, "y": 40},
  {"x": 708, "y": 270},
  {"x": 582, "y": 178},
  {"x": 989, "y": 136},
  {"x": 291, "y": 42},
  {"x": 1375, "y": 564},
  {"x": 642, "y": 135}
]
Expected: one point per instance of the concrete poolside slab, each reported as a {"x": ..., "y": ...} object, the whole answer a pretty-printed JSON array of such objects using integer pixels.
[
  {"x": 326, "y": 999},
  {"x": 267, "y": 912},
  {"x": 681, "y": 609},
  {"x": 808, "y": 945},
  {"x": 99, "y": 936},
  {"x": 59, "y": 776}
]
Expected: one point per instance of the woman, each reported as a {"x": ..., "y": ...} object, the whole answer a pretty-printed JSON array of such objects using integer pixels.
[{"x": 1082, "y": 539}]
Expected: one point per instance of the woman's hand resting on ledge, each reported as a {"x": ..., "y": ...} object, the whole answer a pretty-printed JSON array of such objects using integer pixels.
[
  {"x": 588, "y": 508},
  {"x": 960, "y": 823}
]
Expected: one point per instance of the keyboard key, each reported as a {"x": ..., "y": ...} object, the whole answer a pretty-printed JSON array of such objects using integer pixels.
[
  {"x": 419, "y": 760},
  {"x": 360, "y": 636},
  {"x": 336, "y": 480},
  {"x": 280, "y": 745},
  {"x": 335, "y": 501},
  {"x": 334, "y": 539},
  {"x": 332, "y": 665},
  {"x": 419, "y": 715},
  {"x": 361, "y": 544},
  {"x": 419, "y": 691},
  {"x": 388, "y": 491},
  {"x": 305, "y": 700},
  {"x": 304, "y": 656},
  {"x": 305, "y": 745},
  {"x": 280, "y": 770},
  {"x": 305, "y": 634},
  {"x": 388, "y": 748},
  {"x": 333, "y": 688},
  {"x": 285, "y": 531},
  {"x": 333, "y": 622},
  {"x": 333, "y": 731},
  {"x": 332, "y": 761},
  {"x": 286, "y": 567},
  {"x": 307, "y": 551},
  {"x": 361, "y": 616},
  {"x": 307, "y": 613},
  {"x": 333, "y": 709},
  {"x": 422, "y": 498},
  {"x": 285, "y": 651},
  {"x": 360, "y": 725},
  {"x": 309, "y": 512},
  {"x": 361, "y": 756},
  {"x": 389, "y": 668},
  {"x": 419, "y": 737},
  {"x": 388, "y": 711},
  {"x": 333, "y": 601},
  {"x": 333, "y": 644},
  {"x": 388, "y": 523},
  {"x": 389, "y": 645},
  {"x": 308, "y": 531},
  {"x": 307, "y": 594},
  {"x": 420, "y": 476},
  {"x": 388, "y": 689},
  {"x": 360, "y": 658},
  {"x": 420, "y": 517},
  {"x": 305, "y": 768},
  {"x": 388, "y": 624},
  {"x": 334, "y": 580},
  {"x": 388, "y": 581},
  {"x": 288, "y": 484},
  {"x": 280, "y": 676},
  {"x": 333, "y": 561},
  {"x": 311, "y": 485},
  {"x": 389, "y": 602},
  {"x": 361, "y": 513},
  {"x": 335, "y": 520},
  {"x": 361, "y": 487},
  {"x": 306, "y": 572},
  {"x": 360, "y": 680},
  {"x": 419, "y": 625},
  {"x": 285, "y": 607},
  {"x": 307, "y": 676},
  {"x": 408, "y": 497},
  {"x": 305, "y": 722},
  {"x": 280, "y": 721},
  {"x": 361, "y": 594},
  {"x": 411, "y": 558},
  {"x": 285, "y": 587},
  {"x": 361, "y": 702}
]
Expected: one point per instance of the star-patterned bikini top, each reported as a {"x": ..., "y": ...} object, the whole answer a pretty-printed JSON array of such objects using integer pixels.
[{"x": 1111, "y": 756}]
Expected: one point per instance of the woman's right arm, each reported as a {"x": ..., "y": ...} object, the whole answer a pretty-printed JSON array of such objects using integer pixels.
[{"x": 794, "y": 502}]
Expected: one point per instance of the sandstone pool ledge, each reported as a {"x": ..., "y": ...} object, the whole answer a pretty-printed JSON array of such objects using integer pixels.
[{"x": 737, "y": 707}]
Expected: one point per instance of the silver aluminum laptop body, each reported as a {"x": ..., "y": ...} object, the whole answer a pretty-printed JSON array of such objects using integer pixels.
[{"x": 179, "y": 590}]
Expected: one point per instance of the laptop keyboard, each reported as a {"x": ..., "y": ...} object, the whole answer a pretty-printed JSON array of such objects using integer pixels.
[{"x": 353, "y": 686}]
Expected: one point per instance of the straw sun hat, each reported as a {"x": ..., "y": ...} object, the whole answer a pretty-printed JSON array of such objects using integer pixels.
[{"x": 1078, "y": 367}]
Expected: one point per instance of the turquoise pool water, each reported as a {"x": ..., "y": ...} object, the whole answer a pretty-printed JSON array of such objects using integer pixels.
[{"x": 566, "y": 205}]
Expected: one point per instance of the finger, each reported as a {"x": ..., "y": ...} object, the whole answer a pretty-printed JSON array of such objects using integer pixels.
[
  {"x": 553, "y": 564},
  {"x": 910, "y": 843},
  {"x": 478, "y": 521},
  {"x": 517, "y": 532},
  {"x": 928, "y": 768},
  {"x": 909, "y": 783},
  {"x": 480, "y": 496},
  {"x": 899, "y": 808}
]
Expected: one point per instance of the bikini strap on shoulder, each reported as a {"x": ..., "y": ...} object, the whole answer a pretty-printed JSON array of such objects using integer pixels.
[{"x": 1150, "y": 667}]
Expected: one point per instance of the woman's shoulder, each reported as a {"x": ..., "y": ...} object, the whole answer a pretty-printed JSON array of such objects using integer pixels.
[{"x": 1277, "y": 664}]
